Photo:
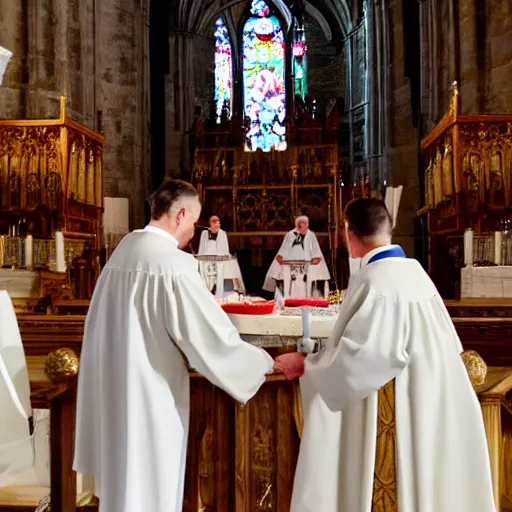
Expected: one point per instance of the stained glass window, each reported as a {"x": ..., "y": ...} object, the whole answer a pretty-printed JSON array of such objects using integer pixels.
[
  {"x": 264, "y": 51},
  {"x": 299, "y": 62},
  {"x": 223, "y": 71}
]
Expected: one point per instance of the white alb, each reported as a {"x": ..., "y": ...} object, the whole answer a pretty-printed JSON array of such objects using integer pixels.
[
  {"x": 392, "y": 325},
  {"x": 149, "y": 315}
]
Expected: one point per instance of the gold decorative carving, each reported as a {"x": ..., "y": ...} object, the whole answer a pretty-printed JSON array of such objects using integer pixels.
[
  {"x": 82, "y": 160},
  {"x": 429, "y": 186},
  {"x": 476, "y": 367},
  {"x": 438, "y": 178},
  {"x": 99, "y": 175},
  {"x": 90, "y": 191},
  {"x": 61, "y": 365},
  {"x": 297, "y": 411},
  {"x": 206, "y": 468},
  {"x": 260, "y": 211},
  {"x": 73, "y": 172},
  {"x": 385, "y": 498},
  {"x": 265, "y": 502},
  {"x": 447, "y": 167}
]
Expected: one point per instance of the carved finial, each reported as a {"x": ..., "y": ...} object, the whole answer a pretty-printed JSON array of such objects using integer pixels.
[
  {"x": 454, "y": 105},
  {"x": 62, "y": 108},
  {"x": 61, "y": 365},
  {"x": 476, "y": 367}
]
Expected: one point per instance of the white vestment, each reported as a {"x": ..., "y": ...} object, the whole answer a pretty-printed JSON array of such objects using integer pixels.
[
  {"x": 289, "y": 251},
  {"x": 228, "y": 270},
  {"x": 392, "y": 325},
  {"x": 16, "y": 425},
  {"x": 149, "y": 315}
]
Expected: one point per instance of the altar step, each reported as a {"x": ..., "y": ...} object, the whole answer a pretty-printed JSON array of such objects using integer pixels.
[{"x": 27, "y": 499}]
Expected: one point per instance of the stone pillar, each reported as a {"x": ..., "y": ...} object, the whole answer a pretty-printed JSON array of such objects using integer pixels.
[
  {"x": 491, "y": 412},
  {"x": 180, "y": 101},
  {"x": 12, "y": 36}
]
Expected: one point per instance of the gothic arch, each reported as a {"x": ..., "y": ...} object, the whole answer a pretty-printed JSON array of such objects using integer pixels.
[{"x": 333, "y": 16}]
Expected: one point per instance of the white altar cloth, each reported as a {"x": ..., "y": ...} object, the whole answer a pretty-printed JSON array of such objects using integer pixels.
[{"x": 284, "y": 324}]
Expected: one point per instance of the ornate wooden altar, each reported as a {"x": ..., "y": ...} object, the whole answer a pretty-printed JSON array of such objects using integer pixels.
[
  {"x": 242, "y": 459},
  {"x": 467, "y": 165},
  {"x": 51, "y": 179},
  {"x": 258, "y": 194}
]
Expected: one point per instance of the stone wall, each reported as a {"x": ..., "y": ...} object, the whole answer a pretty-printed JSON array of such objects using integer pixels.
[
  {"x": 468, "y": 41},
  {"x": 402, "y": 136},
  {"x": 326, "y": 64},
  {"x": 92, "y": 52}
]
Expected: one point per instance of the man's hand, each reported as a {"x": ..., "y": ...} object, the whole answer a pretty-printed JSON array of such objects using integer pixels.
[
  {"x": 279, "y": 260},
  {"x": 290, "y": 365},
  {"x": 315, "y": 261}
]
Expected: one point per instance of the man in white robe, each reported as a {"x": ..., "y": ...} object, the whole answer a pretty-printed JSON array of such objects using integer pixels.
[
  {"x": 151, "y": 314},
  {"x": 299, "y": 281},
  {"x": 214, "y": 242},
  {"x": 393, "y": 332}
]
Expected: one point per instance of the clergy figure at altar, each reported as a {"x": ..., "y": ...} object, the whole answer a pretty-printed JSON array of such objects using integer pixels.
[
  {"x": 299, "y": 267},
  {"x": 214, "y": 240},
  {"x": 220, "y": 276},
  {"x": 149, "y": 316},
  {"x": 391, "y": 420}
]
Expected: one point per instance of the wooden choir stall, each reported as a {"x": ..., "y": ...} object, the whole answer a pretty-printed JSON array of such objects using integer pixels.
[
  {"x": 51, "y": 211},
  {"x": 466, "y": 166}
]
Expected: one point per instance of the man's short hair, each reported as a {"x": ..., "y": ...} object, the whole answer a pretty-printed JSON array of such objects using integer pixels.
[
  {"x": 368, "y": 217},
  {"x": 168, "y": 195},
  {"x": 301, "y": 218}
]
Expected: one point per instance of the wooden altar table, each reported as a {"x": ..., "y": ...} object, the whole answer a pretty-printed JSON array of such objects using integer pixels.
[{"x": 242, "y": 459}]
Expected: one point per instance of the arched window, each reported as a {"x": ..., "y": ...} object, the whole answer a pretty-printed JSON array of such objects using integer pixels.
[
  {"x": 223, "y": 70},
  {"x": 299, "y": 61},
  {"x": 264, "y": 63}
]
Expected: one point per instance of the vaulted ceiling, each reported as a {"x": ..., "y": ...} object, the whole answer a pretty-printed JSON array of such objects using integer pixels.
[{"x": 196, "y": 16}]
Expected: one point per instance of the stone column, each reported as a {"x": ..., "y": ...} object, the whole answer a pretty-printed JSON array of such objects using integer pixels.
[
  {"x": 12, "y": 36},
  {"x": 180, "y": 100}
]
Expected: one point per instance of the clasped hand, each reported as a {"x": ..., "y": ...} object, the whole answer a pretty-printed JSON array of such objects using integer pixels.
[
  {"x": 290, "y": 365},
  {"x": 314, "y": 261}
]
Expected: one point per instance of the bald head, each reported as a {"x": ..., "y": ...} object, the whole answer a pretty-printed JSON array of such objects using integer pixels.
[{"x": 368, "y": 225}]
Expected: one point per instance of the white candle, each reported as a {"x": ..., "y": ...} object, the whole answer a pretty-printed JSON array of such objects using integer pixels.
[
  {"x": 497, "y": 247},
  {"x": 60, "y": 259},
  {"x": 306, "y": 326},
  {"x": 28, "y": 251},
  {"x": 468, "y": 247}
]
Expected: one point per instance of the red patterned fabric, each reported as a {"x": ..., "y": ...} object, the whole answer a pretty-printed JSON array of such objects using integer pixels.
[
  {"x": 314, "y": 303},
  {"x": 258, "y": 308}
]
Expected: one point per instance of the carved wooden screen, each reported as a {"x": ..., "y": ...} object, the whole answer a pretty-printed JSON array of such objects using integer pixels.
[
  {"x": 51, "y": 173},
  {"x": 467, "y": 165},
  {"x": 467, "y": 161}
]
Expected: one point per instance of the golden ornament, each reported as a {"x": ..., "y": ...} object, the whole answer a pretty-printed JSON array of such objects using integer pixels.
[
  {"x": 476, "y": 367},
  {"x": 335, "y": 297},
  {"x": 61, "y": 365}
]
